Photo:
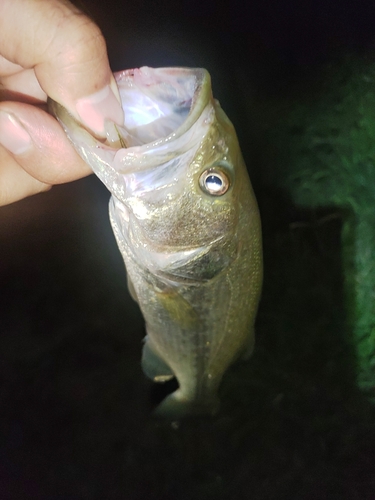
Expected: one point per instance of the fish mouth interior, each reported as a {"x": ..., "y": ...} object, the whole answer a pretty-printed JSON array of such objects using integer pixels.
[{"x": 156, "y": 102}]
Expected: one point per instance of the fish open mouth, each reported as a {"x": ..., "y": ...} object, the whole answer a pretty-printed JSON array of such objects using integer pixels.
[
  {"x": 159, "y": 103},
  {"x": 167, "y": 112}
]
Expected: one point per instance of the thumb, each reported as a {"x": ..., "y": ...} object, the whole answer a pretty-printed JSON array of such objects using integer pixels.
[
  {"x": 35, "y": 140},
  {"x": 68, "y": 54}
]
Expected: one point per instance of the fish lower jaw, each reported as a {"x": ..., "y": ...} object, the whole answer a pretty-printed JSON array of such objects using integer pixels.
[{"x": 177, "y": 406}]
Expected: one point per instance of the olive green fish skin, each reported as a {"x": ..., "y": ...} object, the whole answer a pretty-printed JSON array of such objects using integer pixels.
[{"x": 193, "y": 256}]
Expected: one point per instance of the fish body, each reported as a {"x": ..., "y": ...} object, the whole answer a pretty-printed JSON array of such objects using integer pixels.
[{"x": 187, "y": 224}]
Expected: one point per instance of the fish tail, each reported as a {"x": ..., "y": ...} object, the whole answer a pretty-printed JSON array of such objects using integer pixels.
[{"x": 176, "y": 405}]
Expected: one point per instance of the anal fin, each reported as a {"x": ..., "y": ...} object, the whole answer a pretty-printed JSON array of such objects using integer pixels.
[
  {"x": 248, "y": 347},
  {"x": 153, "y": 366},
  {"x": 175, "y": 406}
]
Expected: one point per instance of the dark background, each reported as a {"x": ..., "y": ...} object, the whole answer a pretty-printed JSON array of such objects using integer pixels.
[{"x": 74, "y": 405}]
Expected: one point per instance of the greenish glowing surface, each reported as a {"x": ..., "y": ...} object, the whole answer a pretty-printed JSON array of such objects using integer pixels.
[{"x": 320, "y": 150}]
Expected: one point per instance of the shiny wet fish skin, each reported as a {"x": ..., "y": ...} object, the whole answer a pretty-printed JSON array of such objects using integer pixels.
[{"x": 187, "y": 225}]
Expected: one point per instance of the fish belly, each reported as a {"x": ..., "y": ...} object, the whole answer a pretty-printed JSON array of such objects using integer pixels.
[{"x": 194, "y": 331}]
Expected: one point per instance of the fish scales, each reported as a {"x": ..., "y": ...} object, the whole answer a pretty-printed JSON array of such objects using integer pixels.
[{"x": 187, "y": 224}]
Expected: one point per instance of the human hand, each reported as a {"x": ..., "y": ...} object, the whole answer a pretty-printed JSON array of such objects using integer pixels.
[{"x": 48, "y": 48}]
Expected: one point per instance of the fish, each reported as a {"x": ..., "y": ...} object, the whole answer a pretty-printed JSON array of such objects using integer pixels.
[{"x": 187, "y": 224}]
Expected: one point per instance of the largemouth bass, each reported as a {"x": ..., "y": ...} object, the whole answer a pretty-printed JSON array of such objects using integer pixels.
[{"x": 187, "y": 224}]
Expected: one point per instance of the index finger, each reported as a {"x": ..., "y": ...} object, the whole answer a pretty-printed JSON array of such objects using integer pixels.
[{"x": 67, "y": 52}]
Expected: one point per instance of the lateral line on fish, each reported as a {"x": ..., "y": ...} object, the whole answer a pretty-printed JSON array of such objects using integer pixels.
[{"x": 221, "y": 340}]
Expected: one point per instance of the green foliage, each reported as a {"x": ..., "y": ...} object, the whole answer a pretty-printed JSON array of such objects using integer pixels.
[{"x": 321, "y": 151}]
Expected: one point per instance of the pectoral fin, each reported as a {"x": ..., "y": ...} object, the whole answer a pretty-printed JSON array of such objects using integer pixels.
[
  {"x": 180, "y": 310},
  {"x": 153, "y": 366}
]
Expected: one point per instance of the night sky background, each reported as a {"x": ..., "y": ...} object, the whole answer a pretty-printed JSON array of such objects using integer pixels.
[{"x": 75, "y": 407}]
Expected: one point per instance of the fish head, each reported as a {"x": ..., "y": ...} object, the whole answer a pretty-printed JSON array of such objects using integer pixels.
[{"x": 174, "y": 168}]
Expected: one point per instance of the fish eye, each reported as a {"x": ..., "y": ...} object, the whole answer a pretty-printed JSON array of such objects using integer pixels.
[{"x": 214, "y": 181}]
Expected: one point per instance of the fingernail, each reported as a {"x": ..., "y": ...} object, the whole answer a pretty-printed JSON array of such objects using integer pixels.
[
  {"x": 97, "y": 108},
  {"x": 13, "y": 136}
]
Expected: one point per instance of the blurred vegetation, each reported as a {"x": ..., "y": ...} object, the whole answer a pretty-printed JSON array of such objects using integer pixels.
[{"x": 323, "y": 143}]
